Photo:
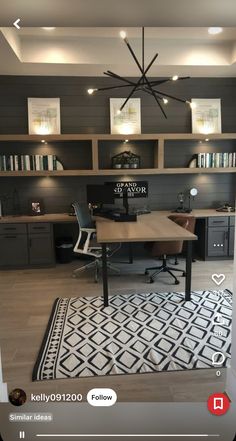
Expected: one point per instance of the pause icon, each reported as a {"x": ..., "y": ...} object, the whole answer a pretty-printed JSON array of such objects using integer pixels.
[{"x": 21, "y": 434}]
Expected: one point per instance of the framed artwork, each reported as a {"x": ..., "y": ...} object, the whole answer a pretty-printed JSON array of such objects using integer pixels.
[
  {"x": 128, "y": 121},
  {"x": 206, "y": 115},
  {"x": 36, "y": 207},
  {"x": 44, "y": 116}
]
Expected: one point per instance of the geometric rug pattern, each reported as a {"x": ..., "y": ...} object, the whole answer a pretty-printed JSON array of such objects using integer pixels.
[{"x": 136, "y": 333}]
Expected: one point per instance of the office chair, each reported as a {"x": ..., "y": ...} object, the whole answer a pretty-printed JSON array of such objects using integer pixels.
[
  {"x": 190, "y": 227},
  {"x": 86, "y": 244},
  {"x": 164, "y": 249}
]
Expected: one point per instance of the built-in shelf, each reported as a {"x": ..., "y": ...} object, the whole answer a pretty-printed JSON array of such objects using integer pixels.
[{"x": 93, "y": 150}]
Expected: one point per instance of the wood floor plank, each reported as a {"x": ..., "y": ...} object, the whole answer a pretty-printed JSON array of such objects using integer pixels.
[{"x": 26, "y": 299}]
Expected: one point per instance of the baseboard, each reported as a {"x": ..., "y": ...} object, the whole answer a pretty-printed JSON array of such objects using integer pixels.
[
  {"x": 231, "y": 384},
  {"x": 3, "y": 393}
]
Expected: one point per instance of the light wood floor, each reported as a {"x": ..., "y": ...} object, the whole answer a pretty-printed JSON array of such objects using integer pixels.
[{"x": 26, "y": 298}]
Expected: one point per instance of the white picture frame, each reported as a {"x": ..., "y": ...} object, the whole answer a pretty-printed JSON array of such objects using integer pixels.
[
  {"x": 128, "y": 121},
  {"x": 44, "y": 116},
  {"x": 206, "y": 115}
]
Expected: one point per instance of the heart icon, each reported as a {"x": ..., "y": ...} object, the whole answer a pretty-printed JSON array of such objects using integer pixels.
[{"x": 218, "y": 278}]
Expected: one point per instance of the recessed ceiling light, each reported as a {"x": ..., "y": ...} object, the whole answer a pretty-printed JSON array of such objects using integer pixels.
[
  {"x": 214, "y": 31},
  {"x": 48, "y": 29}
]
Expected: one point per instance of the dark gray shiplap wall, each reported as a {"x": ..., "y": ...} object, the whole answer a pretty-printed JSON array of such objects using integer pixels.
[{"x": 81, "y": 113}]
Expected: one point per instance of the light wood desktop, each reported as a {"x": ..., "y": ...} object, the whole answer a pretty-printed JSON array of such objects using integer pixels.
[
  {"x": 55, "y": 218},
  {"x": 149, "y": 227}
]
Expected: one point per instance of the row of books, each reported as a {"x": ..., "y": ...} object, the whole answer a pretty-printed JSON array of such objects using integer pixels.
[
  {"x": 210, "y": 160},
  {"x": 28, "y": 162}
]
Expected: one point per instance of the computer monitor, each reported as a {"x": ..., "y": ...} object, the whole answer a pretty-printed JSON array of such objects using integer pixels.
[{"x": 100, "y": 194}]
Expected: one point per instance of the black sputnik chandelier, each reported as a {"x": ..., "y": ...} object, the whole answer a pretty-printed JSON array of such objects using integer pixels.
[{"x": 143, "y": 84}]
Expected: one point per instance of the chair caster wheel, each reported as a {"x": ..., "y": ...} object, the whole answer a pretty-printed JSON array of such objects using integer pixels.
[
  {"x": 151, "y": 280},
  {"x": 184, "y": 274},
  {"x": 177, "y": 282},
  {"x": 146, "y": 272}
]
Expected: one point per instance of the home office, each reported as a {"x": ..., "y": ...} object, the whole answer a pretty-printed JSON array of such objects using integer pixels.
[{"x": 47, "y": 173}]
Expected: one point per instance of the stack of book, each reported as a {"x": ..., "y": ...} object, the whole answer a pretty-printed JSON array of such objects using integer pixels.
[
  {"x": 28, "y": 162},
  {"x": 216, "y": 160}
]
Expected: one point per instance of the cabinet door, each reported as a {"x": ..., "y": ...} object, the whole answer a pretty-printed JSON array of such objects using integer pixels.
[
  {"x": 231, "y": 241},
  {"x": 41, "y": 250},
  {"x": 217, "y": 243},
  {"x": 13, "y": 250}
]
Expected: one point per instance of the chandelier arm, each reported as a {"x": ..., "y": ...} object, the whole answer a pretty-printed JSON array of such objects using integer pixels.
[
  {"x": 140, "y": 81},
  {"x": 118, "y": 77},
  {"x": 170, "y": 96},
  {"x": 133, "y": 55},
  {"x": 113, "y": 87},
  {"x": 143, "y": 47},
  {"x": 155, "y": 97},
  {"x": 128, "y": 97},
  {"x": 157, "y": 82},
  {"x": 159, "y": 104}
]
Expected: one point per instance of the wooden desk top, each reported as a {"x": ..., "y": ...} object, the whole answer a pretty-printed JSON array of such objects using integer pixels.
[
  {"x": 150, "y": 227},
  {"x": 51, "y": 218},
  {"x": 65, "y": 218}
]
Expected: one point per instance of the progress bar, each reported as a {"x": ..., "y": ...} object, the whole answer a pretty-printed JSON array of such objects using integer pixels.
[{"x": 131, "y": 435}]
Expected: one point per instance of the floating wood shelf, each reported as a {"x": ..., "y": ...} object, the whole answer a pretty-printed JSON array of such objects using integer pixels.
[{"x": 96, "y": 141}]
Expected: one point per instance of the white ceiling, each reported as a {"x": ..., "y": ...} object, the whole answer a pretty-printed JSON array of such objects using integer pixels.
[
  {"x": 94, "y": 13},
  {"x": 91, "y": 51}
]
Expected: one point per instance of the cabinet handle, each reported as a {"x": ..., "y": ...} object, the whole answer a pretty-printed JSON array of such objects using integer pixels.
[
  {"x": 10, "y": 228},
  {"x": 38, "y": 228},
  {"x": 30, "y": 242},
  {"x": 10, "y": 237},
  {"x": 226, "y": 235},
  {"x": 217, "y": 222}
]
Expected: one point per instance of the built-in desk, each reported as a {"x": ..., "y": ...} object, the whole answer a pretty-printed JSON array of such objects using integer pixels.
[
  {"x": 29, "y": 240},
  {"x": 215, "y": 231}
]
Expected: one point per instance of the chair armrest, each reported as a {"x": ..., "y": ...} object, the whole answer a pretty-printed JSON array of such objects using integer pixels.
[{"x": 89, "y": 230}]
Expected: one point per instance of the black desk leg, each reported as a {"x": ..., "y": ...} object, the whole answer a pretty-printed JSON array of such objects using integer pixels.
[
  {"x": 131, "y": 256},
  {"x": 104, "y": 274},
  {"x": 188, "y": 271}
]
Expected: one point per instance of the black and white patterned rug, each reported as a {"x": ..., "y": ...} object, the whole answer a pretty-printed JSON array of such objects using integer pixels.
[{"x": 137, "y": 333}]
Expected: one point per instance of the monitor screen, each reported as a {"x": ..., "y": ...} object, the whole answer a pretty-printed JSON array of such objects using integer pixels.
[{"x": 100, "y": 194}]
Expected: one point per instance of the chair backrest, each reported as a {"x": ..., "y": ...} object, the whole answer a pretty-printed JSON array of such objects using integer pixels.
[
  {"x": 175, "y": 247},
  {"x": 83, "y": 215},
  {"x": 191, "y": 220}
]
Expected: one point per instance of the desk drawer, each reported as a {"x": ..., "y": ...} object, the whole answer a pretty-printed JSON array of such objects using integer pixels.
[
  {"x": 13, "y": 228},
  {"x": 220, "y": 221},
  {"x": 38, "y": 227}
]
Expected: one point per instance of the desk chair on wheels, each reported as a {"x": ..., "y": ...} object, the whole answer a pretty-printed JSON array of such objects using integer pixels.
[
  {"x": 164, "y": 249},
  {"x": 87, "y": 245}
]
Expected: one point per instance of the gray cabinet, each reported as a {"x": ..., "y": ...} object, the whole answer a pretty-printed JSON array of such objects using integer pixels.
[
  {"x": 41, "y": 249},
  {"x": 220, "y": 237},
  {"x": 13, "y": 245},
  {"x": 13, "y": 250},
  {"x": 231, "y": 235},
  {"x": 215, "y": 237},
  {"x": 23, "y": 245},
  {"x": 231, "y": 241},
  {"x": 217, "y": 243}
]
